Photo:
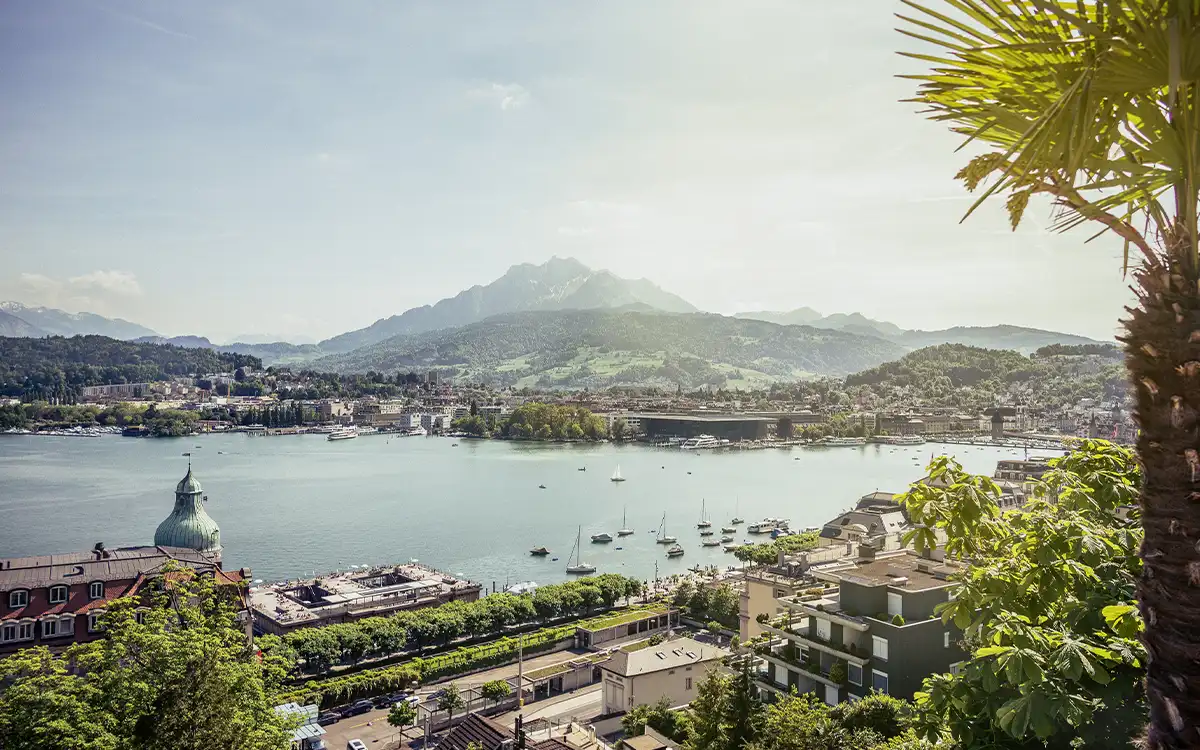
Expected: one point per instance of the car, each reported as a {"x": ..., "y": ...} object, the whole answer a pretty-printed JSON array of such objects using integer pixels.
[
  {"x": 330, "y": 717},
  {"x": 382, "y": 701},
  {"x": 356, "y": 745},
  {"x": 413, "y": 699},
  {"x": 360, "y": 707}
]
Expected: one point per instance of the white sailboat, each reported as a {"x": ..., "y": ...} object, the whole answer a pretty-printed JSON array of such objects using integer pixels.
[
  {"x": 624, "y": 531},
  {"x": 736, "y": 518},
  {"x": 616, "y": 477},
  {"x": 704, "y": 522},
  {"x": 662, "y": 533},
  {"x": 579, "y": 567}
]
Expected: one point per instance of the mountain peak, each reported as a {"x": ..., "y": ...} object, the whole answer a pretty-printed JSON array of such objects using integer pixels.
[
  {"x": 50, "y": 321},
  {"x": 557, "y": 284}
]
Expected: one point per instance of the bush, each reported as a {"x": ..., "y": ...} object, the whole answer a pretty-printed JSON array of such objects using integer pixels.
[
  {"x": 897, "y": 620},
  {"x": 762, "y": 618},
  {"x": 837, "y": 673},
  {"x": 655, "y": 639}
]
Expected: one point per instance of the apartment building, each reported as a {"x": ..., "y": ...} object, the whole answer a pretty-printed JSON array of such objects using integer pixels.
[{"x": 874, "y": 628}]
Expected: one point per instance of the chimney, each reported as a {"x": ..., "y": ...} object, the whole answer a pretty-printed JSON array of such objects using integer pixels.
[{"x": 866, "y": 552}]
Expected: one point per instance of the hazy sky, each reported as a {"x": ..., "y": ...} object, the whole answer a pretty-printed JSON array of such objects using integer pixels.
[{"x": 305, "y": 167}]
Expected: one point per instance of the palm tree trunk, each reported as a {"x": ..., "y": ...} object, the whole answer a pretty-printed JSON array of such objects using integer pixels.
[{"x": 1163, "y": 356}]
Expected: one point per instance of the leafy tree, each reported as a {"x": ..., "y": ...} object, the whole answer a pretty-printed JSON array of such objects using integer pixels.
[
  {"x": 1045, "y": 606},
  {"x": 402, "y": 714},
  {"x": 182, "y": 678},
  {"x": 1093, "y": 105},
  {"x": 495, "y": 690},
  {"x": 450, "y": 700}
]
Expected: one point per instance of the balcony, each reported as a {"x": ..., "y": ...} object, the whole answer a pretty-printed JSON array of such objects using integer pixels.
[
  {"x": 837, "y": 650},
  {"x": 827, "y": 607},
  {"x": 791, "y": 661}
]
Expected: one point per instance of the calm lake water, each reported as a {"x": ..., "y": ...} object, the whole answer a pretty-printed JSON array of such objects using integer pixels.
[{"x": 288, "y": 506}]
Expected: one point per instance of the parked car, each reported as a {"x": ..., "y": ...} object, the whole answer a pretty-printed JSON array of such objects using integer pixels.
[
  {"x": 359, "y": 707},
  {"x": 330, "y": 717},
  {"x": 356, "y": 745},
  {"x": 382, "y": 701},
  {"x": 413, "y": 699}
]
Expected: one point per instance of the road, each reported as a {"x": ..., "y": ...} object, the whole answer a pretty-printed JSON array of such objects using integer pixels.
[{"x": 373, "y": 729}]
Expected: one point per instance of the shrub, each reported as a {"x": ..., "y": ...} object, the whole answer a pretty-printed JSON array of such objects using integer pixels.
[
  {"x": 837, "y": 673},
  {"x": 762, "y": 618},
  {"x": 897, "y": 620}
]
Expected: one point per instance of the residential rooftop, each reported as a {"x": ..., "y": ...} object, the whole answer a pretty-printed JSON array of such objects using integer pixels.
[
  {"x": 100, "y": 564},
  {"x": 678, "y": 652},
  {"x": 905, "y": 570}
]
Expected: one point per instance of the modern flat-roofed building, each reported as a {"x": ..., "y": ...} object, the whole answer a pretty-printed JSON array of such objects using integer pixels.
[
  {"x": 350, "y": 595},
  {"x": 725, "y": 426},
  {"x": 672, "y": 670},
  {"x": 877, "y": 631}
]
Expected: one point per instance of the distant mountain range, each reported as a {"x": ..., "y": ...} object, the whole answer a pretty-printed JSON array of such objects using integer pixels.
[
  {"x": 564, "y": 324},
  {"x": 557, "y": 284},
  {"x": 46, "y": 321}
]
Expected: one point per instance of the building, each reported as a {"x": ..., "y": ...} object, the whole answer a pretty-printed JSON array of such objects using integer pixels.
[
  {"x": 1021, "y": 470},
  {"x": 308, "y": 732},
  {"x": 863, "y": 523},
  {"x": 351, "y": 595},
  {"x": 761, "y": 591},
  {"x": 56, "y": 600},
  {"x": 726, "y": 426},
  {"x": 115, "y": 392},
  {"x": 641, "y": 674},
  {"x": 876, "y": 631},
  {"x": 622, "y": 626}
]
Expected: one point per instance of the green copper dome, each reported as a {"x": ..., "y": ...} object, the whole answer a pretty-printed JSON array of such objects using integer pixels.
[{"x": 189, "y": 525}]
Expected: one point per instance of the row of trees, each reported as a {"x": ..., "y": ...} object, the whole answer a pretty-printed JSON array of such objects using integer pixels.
[
  {"x": 707, "y": 604},
  {"x": 767, "y": 553},
  {"x": 325, "y": 647},
  {"x": 537, "y": 421},
  {"x": 160, "y": 422}
]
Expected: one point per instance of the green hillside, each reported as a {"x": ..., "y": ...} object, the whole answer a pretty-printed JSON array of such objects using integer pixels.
[{"x": 598, "y": 348}]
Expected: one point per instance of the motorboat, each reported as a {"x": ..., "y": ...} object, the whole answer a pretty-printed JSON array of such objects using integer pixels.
[
  {"x": 624, "y": 531},
  {"x": 579, "y": 567},
  {"x": 700, "y": 442},
  {"x": 541, "y": 486},
  {"x": 601, "y": 538},
  {"x": 727, "y": 529},
  {"x": 706, "y": 532},
  {"x": 733, "y": 547},
  {"x": 761, "y": 527},
  {"x": 616, "y": 477},
  {"x": 675, "y": 551},
  {"x": 663, "y": 538},
  {"x": 343, "y": 433},
  {"x": 726, "y": 539},
  {"x": 582, "y": 468},
  {"x": 710, "y": 543},
  {"x": 539, "y": 551}
]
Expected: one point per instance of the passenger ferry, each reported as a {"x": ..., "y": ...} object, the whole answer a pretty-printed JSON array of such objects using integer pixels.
[
  {"x": 343, "y": 433},
  {"x": 768, "y": 526},
  {"x": 840, "y": 442},
  {"x": 700, "y": 442}
]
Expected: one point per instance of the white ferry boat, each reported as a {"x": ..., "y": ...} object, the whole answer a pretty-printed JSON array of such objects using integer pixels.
[
  {"x": 839, "y": 442},
  {"x": 700, "y": 442},
  {"x": 343, "y": 433},
  {"x": 909, "y": 440}
]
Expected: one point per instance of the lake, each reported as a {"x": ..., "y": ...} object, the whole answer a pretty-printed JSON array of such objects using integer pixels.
[{"x": 289, "y": 506}]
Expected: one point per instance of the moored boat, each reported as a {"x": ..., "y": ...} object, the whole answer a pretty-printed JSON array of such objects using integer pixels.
[
  {"x": 624, "y": 531},
  {"x": 579, "y": 567},
  {"x": 710, "y": 543},
  {"x": 616, "y": 477},
  {"x": 539, "y": 551},
  {"x": 343, "y": 433},
  {"x": 674, "y": 551},
  {"x": 601, "y": 538}
]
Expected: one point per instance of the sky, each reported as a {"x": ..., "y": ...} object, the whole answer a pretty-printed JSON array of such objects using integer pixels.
[{"x": 301, "y": 168}]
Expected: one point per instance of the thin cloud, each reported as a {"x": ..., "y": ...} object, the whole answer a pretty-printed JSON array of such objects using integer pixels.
[
  {"x": 141, "y": 22},
  {"x": 504, "y": 95},
  {"x": 119, "y": 283}
]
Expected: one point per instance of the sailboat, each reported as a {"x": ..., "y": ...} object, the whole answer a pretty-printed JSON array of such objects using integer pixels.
[
  {"x": 580, "y": 566},
  {"x": 704, "y": 522},
  {"x": 616, "y": 477},
  {"x": 736, "y": 518},
  {"x": 624, "y": 531},
  {"x": 662, "y": 533}
]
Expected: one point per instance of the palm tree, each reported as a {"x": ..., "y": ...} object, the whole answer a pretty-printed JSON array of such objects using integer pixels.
[{"x": 1096, "y": 104}]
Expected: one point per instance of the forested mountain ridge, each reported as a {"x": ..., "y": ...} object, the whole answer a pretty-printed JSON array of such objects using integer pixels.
[
  {"x": 596, "y": 348},
  {"x": 56, "y": 367}
]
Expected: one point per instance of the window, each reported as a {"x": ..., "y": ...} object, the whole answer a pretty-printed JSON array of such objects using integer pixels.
[
  {"x": 18, "y": 599},
  {"x": 687, "y": 684},
  {"x": 879, "y": 680},
  {"x": 895, "y": 604},
  {"x": 9, "y": 633},
  {"x": 25, "y": 631},
  {"x": 49, "y": 628},
  {"x": 955, "y": 668},
  {"x": 879, "y": 647},
  {"x": 96, "y": 590},
  {"x": 854, "y": 674},
  {"x": 140, "y": 616},
  {"x": 946, "y": 639},
  {"x": 94, "y": 622},
  {"x": 824, "y": 629},
  {"x": 58, "y": 594},
  {"x": 66, "y": 626}
]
